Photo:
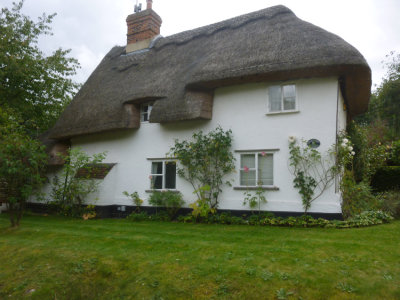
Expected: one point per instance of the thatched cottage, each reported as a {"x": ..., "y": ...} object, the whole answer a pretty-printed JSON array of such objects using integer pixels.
[{"x": 266, "y": 76}]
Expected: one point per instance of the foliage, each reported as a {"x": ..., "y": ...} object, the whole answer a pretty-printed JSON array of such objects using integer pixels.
[
  {"x": 35, "y": 86},
  {"x": 89, "y": 212},
  {"x": 205, "y": 161},
  {"x": 69, "y": 190},
  {"x": 390, "y": 202},
  {"x": 255, "y": 200},
  {"x": 356, "y": 197},
  {"x": 138, "y": 216},
  {"x": 395, "y": 153},
  {"x": 137, "y": 201},
  {"x": 172, "y": 201},
  {"x": 366, "y": 218},
  {"x": 22, "y": 165},
  {"x": 372, "y": 151},
  {"x": 386, "y": 178},
  {"x": 385, "y": 101},
  {"x": 314, "y": 173},
  {"x": 201, "y": 207}
]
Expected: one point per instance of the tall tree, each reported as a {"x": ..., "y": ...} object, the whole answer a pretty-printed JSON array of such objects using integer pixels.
[
  {"x": 34, "y": 86},
  {"x": 385, "y": 101}
]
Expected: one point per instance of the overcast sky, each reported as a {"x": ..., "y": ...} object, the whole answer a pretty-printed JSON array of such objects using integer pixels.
[{"x": 90, "y": 28}]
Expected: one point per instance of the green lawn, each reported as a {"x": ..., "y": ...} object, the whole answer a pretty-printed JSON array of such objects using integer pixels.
[{"x": 61, "y": 258}]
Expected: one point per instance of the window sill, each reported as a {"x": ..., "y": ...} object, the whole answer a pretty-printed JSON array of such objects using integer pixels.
[
  {"x": 253, "y": 188},
  {"x": 163, "y": 190},
  {"x": 283, "y": 112}
]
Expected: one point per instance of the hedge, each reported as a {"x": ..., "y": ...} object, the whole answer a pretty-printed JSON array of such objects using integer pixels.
[{"x": 386, "y": 179}]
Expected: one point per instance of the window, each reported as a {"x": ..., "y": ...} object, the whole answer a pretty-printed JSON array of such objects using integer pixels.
[
  {"x": 282, "y": 98},
  {"x": 256, "y": 169},
  {"x": 163, "y": 175},
  {"x": 145, "y": 110}
]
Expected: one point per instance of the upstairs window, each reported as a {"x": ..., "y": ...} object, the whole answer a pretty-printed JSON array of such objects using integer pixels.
[
  {"x": 282, "y": 98},
  {"x": 163, "y": 175},
  {"x": 145, "y": 111},
  {"x": 256, "y": 169}
]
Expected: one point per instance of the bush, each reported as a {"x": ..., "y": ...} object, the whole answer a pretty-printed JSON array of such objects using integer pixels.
[
  {"x": 138, "y": 216},
  {"x": 386, "y": 178},
  {"x": 390, "y": 202},
  {"x": 136, "y": 200},
  {"x": 205, "y": 161},
  {"x": 395, "y": 153},
  {"x": 357, "y": 197},
  {"x": 171, "y": 201}
]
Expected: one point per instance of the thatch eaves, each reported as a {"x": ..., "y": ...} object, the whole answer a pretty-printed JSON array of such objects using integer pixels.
[{"x": 180, "y": 72}]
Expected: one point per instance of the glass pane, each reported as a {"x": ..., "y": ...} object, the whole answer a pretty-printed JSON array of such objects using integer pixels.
[
  {"x": 274, "y": 98},
  {"x": 289, "y": 97},
  {"x": 248, "y": 179},
  {"x": 289, "y": 103},
  {"x": 156, "y": 182},
  {"x": 156, "y": 167},
  {"x": 289, "y": 91},
  {"x": 247, "y": 160},
  {"x": 170, "y": 175},
  {"x": 265, "y": 169}
]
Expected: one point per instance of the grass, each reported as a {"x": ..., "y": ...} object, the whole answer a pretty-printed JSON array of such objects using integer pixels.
[{"x": 62, "y": 258}]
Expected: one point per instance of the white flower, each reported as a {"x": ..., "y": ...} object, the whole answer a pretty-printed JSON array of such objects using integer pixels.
[
  {"x": 292, "y": 139},
  {"x": 345, "y": 141},
  {"x": 353, "y": 153},
  {"x": 344, "y": 145},
  {"x": 350, "y": 148}
]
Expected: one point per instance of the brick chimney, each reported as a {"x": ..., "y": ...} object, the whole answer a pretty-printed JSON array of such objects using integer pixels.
[{"x": 143, "y": 26}]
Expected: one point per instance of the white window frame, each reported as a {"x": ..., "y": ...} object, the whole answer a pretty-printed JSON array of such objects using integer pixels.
[
  {"x": 144, "y": 112},
  {"x": 163, "y": 174},
  {"x": 282, "y": 110},
  {"x": 256, "y": 154}
]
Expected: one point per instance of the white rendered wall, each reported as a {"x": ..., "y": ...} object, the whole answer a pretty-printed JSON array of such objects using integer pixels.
[{"x": 243, "y": 109}]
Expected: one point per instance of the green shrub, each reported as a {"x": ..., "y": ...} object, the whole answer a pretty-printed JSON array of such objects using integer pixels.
[
  {"x": 138, "y": 216},
  {"x": 137, "y": 201},
  {"x": 357, "y": 197},
  {"x": 386, "y": 178},
  {"x": 395, "y": 153},
  {"x": 390, "y": 202},
  {"x": 171, "y": 201}
]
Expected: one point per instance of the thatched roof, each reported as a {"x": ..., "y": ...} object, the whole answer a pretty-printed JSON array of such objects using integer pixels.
[{"x": 181, "y": 71}]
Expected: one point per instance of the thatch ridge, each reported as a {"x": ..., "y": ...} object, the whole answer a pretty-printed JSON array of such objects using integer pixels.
[{"x": 181, "y": 71}]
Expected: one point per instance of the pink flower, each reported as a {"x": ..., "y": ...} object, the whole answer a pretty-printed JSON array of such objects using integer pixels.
[
  {"x": 246, "y": 169},
  {"x": 263, "y": 153},
  {"x": 150, "y": 177}
]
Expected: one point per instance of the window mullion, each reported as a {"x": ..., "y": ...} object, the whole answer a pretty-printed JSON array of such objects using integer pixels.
[{"x": 163, "y": 175}]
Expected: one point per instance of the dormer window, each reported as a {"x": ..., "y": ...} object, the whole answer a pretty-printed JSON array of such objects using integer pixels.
[
  {"x": 145, "y": 111},
  {"x": 282, "y": 98}
]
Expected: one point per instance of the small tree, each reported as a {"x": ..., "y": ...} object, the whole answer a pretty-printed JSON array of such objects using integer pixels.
[
  {"x": 205, "y": 161},
  {"x": 69, "y": 190},
  {"x": 22, "y": 164}
]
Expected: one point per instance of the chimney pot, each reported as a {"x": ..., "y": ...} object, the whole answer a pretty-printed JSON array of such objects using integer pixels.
[{"x": 149, "y": 4}]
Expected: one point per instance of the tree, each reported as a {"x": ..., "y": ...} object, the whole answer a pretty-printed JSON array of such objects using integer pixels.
[
  {"x": 385, "y": 101},
  {"x": 35, "y": 86},
  {"x": 22, "y": 163},
  {"x": 69, "y": 188},
  {"x": 205, "y": 161}
]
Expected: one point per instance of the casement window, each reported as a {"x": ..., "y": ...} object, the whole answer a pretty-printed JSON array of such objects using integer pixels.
[
  {"x": 256, "y": 169},
  {"x": 145, "y": 111},
  {"x": 163, "y": 175},
  {"x": 282, "y": 98}
]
